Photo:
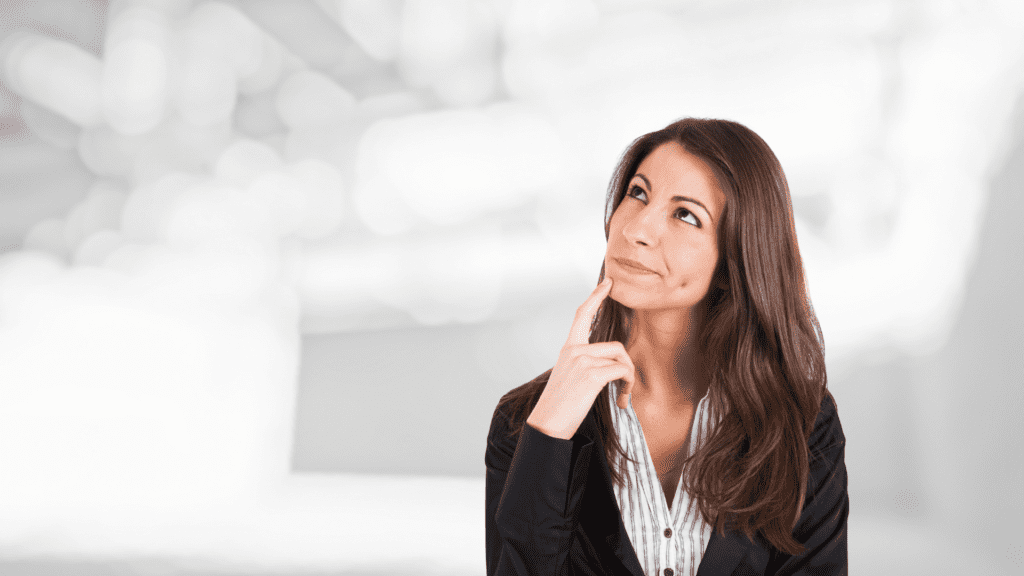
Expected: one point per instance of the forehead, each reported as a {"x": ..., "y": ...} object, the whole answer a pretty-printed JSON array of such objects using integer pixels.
[{"x": 674, "y": 171}]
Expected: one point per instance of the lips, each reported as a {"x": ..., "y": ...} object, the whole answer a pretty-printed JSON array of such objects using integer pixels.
[{"x": 634, "y": 266}]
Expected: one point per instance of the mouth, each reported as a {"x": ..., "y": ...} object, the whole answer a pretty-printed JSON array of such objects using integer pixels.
[{"x": 633, "y": 266}]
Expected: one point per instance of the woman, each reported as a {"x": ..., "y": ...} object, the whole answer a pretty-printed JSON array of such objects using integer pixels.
[{"x": 724, "y": 453}]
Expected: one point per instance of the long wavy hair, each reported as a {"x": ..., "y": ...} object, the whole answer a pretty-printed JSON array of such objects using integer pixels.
[{"x": 760, "y": 339}]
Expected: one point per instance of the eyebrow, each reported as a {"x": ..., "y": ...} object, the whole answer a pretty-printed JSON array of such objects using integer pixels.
[{"x": 680, "y": 198}]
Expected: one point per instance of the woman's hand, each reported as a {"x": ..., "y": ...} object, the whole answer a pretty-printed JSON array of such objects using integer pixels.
[{"x": 580, "y": 373}]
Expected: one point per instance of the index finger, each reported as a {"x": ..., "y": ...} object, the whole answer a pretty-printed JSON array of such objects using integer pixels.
[{"x": 580, "y": 331}]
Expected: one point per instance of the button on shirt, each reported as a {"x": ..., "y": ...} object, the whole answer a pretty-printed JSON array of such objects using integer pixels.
[{"x": 667, "y": 541}]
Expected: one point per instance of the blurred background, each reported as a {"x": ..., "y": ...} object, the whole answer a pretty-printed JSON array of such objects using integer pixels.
[{"x": 266, "y": 266}]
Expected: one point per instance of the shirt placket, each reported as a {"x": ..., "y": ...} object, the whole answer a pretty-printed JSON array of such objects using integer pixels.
[{"x": 655, "y": 497}]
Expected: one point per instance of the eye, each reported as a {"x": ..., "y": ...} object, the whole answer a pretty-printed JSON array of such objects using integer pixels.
[
  {"x": 680, "y": 213},
  {"x": 687, "y": 216},
  {"x": 634, "y": 190}
]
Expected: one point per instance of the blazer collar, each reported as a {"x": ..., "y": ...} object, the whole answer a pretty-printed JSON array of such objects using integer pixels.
[{"x": 721, "y": 557}]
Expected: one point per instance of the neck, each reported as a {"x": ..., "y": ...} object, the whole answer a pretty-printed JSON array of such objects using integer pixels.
[{"x": 663, "y": 346}]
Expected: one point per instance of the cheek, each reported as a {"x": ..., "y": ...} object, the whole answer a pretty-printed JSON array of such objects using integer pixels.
[
  {"x": 615, "y": 230},
  {"x": 697, "y": 263},
  {"x": 618, "y": 218},
  {"x": 711, "y": 261}
]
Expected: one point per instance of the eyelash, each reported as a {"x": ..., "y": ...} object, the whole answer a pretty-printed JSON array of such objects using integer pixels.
[{"x": 635, "y": 187}]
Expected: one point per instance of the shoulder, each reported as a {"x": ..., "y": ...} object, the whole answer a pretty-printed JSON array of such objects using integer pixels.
[{"x": 827, "y": 440}]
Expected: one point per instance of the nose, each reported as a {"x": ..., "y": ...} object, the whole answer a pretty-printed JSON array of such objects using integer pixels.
[{"x": 644, "y": 227}]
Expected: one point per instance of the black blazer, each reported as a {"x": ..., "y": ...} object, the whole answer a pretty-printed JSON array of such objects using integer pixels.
[{"x": 551, "y": 510}]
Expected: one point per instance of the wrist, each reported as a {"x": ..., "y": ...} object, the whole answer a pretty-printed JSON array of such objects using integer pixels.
[{"x": 553, "y": 429}]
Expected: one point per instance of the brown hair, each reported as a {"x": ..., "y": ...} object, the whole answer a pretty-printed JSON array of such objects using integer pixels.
[{"x": 761, "y": 340}]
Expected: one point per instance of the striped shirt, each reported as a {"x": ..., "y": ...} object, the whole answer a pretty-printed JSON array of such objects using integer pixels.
[{"x": 667, "y": 541}]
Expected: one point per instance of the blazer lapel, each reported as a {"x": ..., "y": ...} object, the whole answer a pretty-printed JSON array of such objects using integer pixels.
[
  {"x": 721, "y": 557},
  {"x": 605, "y": 521}
]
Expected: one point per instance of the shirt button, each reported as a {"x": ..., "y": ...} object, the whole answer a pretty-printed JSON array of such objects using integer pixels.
[
  {"x": 668, "y": 572},
  {"x": 668, "y": 532}
]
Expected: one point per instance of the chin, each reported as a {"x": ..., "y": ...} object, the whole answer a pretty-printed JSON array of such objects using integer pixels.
[
  {"x": 636, "y": 296},
  {"x": 632, "y": 296}
]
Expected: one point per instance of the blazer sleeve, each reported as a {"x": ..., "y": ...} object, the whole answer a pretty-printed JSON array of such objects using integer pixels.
[
  {"x": 821, "y": 528},
  {"x": 533, "y": 489}
]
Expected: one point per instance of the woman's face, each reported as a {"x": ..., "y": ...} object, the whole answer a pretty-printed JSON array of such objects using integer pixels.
[{"x": 668, "y": 222}]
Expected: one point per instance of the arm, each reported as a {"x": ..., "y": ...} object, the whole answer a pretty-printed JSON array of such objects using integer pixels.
[
  {"x": 531, "y": 511},
  {"x": 822, "y": 525},
  {"x": 534, "y": 482}
]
